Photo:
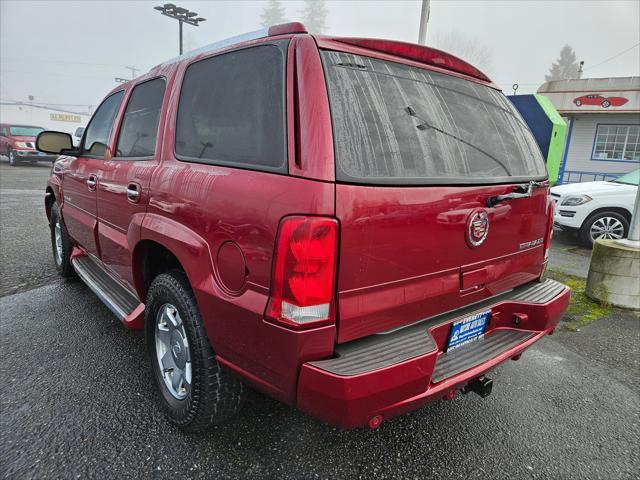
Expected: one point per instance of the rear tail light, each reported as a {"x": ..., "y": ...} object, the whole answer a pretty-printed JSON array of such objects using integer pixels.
[{"x": 304, "y": 272}]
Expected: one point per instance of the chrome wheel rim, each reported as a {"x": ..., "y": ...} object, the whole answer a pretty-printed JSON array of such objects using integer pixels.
[
  {"x": 57, "y": 231},
  {"x": 12, "y": 157},
  {"x": 607, "y": 228},
  {"x": 172, "y": 351}
]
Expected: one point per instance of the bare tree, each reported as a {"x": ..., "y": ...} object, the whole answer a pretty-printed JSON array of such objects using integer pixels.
[
  {"x": 566, "y": 66},
  {"x": 469, "y": 49},
  {"x": 314, "y": 16},
  {"x": 273, "y": 14}
]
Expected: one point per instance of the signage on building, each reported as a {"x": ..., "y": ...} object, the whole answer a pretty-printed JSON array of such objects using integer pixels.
[
  {"x": 64, "y": 117},
  {"x": 601, "y": 95}
]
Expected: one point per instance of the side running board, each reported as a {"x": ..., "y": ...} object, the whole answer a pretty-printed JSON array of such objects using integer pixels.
[{"x": 118, "y": 298}]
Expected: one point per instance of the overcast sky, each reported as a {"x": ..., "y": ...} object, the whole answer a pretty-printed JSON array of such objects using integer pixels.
[{"x": 69, "y": 52}]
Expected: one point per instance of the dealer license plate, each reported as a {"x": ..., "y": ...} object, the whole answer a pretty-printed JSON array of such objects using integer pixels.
[{"x": 467, "y": 330}]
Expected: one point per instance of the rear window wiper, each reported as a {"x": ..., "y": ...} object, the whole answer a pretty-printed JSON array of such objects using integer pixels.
[
  {"x": 519, "y": 191},
  {"x": 425, "y": 126}
]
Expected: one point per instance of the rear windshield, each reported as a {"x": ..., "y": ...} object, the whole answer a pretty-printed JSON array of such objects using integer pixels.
[{"x": 396, "y": 124}]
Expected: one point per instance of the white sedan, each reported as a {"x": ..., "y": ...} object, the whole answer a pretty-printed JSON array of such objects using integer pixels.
[{"x": 596, "y": 209}]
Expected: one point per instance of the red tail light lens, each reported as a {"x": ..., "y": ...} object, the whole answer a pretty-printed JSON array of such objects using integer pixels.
[{"x": 303, "y": 279}]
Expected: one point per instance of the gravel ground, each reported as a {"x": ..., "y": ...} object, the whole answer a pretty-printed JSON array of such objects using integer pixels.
[{"x": 77, "y": 398}]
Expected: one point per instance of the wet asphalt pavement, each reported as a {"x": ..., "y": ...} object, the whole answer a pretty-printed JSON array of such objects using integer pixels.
[
  {"x": 25, "y": 245},
  {"x": 77, "y": 399}
]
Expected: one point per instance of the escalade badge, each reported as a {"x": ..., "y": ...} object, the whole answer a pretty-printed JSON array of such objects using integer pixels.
[{"x": 477, "y": 228}]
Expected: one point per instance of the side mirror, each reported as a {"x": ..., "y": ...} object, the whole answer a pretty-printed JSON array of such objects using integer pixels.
[{"x": 55, "y": 142}]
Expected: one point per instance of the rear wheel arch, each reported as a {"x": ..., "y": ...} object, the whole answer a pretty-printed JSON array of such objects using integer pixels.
[
  {"x": 151, "y": 259},
  {"x": 622, "y": 211}
]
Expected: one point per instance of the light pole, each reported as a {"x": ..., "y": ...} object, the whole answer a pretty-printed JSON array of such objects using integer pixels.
[
  {"x": 182, "y": 15},
  {"x": 424, "y": 19}
]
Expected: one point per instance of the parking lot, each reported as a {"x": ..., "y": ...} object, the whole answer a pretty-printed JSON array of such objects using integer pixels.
[{"x": 77, "y": 398}]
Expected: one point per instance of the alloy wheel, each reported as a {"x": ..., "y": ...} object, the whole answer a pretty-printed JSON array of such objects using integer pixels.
[
  {"x": 172, "y": 351},
  {"x": 607, "y": 228}
]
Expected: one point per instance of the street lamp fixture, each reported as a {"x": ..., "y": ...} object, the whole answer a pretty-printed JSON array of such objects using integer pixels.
[{"x": 181, "y": 14}]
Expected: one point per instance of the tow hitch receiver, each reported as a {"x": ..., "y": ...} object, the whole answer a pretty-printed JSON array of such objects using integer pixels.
[{"x": 482, "y": 386}]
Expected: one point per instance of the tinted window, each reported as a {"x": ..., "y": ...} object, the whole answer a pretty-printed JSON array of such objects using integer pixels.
[
  {"x": 231, "y": 110},
  {"x": 4, "y": 131},
  {"x": 97, "y": 136},
  {"x": 397, "y": 124},
  {"x": 140, "y": 123}
]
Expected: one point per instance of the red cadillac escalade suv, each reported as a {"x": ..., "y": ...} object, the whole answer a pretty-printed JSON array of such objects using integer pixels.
[{"x": 355, "y": 227}]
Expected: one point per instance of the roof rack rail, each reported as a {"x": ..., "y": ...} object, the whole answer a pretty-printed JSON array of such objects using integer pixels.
[{"x": 282, "y": 29}]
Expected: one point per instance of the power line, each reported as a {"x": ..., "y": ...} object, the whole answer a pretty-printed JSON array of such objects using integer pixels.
[
  {"x": 50, "y": 104},
  {"x": 611, "y": 58},
  {"x": 36, "y": 60}
]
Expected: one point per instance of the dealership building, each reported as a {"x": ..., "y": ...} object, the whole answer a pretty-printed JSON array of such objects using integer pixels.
[
  {"x": 603, "y": 134},
  {"x": 49, "y": 118}
]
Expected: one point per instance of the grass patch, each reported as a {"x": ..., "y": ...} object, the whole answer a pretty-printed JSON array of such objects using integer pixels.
[{"x": 582, "y": 309}]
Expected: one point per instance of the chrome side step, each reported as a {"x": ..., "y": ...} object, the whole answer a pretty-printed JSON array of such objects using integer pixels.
[{"x": 119, "y": 299}]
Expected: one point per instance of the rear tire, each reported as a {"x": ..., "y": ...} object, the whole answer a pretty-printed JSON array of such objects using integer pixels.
[
  {"x": 605, "y": 225},
  {"x": 203, "y": 393},
  {"x": 60, "y": 244}
]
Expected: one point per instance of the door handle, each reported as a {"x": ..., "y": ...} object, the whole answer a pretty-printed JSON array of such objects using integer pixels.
[
  {"x": 133, "y": 193},
  {"x": 92, "y": 181}
]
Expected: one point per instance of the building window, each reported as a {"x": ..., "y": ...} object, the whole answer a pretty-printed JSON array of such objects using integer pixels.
[{"x": 617, "y": 142}]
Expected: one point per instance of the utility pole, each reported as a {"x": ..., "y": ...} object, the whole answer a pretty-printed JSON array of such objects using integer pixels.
[
  {"x": 424, "y": 19},
  {"x": 182, "y": 15},
  {"x": 133, "y": 71}
]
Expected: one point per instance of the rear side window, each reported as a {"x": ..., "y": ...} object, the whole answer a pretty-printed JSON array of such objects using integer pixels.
[
  {"x": 397, "y": 124},
  {"x": 97, "y": 134},
  {"x": 139, "y": 128},
  {"x": 232, "y": 110}
]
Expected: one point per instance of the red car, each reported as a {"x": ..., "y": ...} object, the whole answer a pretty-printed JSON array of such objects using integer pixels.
[
  {"x": 18, "y": 143},
  {"x": 328, "y": 220},
  {"x": 595, "y": 99}
]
